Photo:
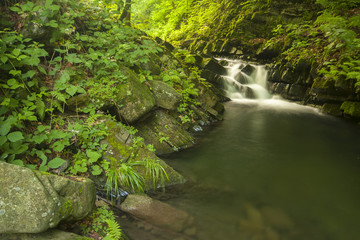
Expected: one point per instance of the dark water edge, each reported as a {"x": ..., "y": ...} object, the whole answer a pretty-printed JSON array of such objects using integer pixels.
[{"x": 273, "y": 170}]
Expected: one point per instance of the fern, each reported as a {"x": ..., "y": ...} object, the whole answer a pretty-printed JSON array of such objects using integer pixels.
[{"x": 114, "y": 231}]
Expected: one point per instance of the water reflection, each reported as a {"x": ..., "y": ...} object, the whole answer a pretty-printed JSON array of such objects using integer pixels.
[{"x": 274, "y": 170}]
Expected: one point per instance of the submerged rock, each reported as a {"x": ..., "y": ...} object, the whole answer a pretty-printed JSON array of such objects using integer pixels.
[
  {"x": 32, "y": 202},
  {"x": 157, "y": 213}
]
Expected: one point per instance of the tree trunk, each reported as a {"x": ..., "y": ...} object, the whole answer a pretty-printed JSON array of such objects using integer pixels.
[{"x": 126, "y": 13}]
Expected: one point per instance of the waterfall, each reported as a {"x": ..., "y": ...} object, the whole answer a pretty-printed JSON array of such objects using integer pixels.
[{"x": 244, "y": 80}]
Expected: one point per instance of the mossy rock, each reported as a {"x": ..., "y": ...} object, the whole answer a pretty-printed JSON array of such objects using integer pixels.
[
  {"x": 165, "y": 96},
  {"x": 164, "y": 132},
  {"x": 153, "y": 65},
  {"x": 134, "y": 99},
  {"x": 78, "y": 101},
  {"x": 332, "y": 109},
  {"x": 32, "y": 202},
  {"x": 120, "y": 152},
  {"x": 351, "y": 109}
]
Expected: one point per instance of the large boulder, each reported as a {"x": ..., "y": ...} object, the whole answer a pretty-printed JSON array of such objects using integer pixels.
[
  {"x": 134, "y": 99},
  {"x": 156, "y": 213},
  {"x": 32, "y": 202},
  {"x": 164, "y": 132},
  {"x": 165, "y": 96},
  {"x": 120, "y": 149},
  {"x": 213, "y": 66}
]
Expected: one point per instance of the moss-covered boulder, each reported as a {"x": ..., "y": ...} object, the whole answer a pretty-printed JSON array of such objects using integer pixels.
[
  {"x": 134, "y": 99},
  {"x": 351, "y": 109},
  {"x": 32, "y": 202},
  {"x": 332, "y": 109},
  {"x": 165, "y": 96},
  {"x": 78, "y": 101},
  {"x": 120, "y": 149},
  {"x": 164, "y": 132}
]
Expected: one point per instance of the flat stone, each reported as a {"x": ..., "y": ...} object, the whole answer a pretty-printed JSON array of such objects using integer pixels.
[{"x": 156, "y": 213}]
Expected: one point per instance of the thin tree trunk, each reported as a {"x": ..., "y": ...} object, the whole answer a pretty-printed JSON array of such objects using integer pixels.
[{"x": 126, "y": 13}]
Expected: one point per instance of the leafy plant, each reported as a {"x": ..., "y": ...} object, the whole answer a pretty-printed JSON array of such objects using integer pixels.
[{"x": 103, "y": 222}]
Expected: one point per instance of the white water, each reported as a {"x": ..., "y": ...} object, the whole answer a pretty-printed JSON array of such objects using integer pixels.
[
  {"x": 253, "y": 89},
  {"x": 242, "y": 84}
]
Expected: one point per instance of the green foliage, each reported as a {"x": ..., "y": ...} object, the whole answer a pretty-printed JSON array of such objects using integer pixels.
[{"x": 103, "y": 222}]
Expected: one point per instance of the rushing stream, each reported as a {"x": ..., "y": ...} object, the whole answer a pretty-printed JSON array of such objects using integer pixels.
[{"x": 272, "y": 170}]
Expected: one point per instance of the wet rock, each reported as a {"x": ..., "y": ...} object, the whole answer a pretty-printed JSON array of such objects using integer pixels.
[
  {"x": 297, "y": 91},
  {"x": 53, "y": 234},
  {"x": 164, "y": 132},
  {"x": 248, "y": 69},
  {"x": 241, "y": 78},
  {"x": 212, "y": 77},
  {"x": 165, "y": 96},
  {"x": 32, "y": 202},
  {"x": 213, "y": 66},
  {"x": 248, "y": 92},
  {"x": 207, "y": 96},
  {"x": 156, "y": 213}
]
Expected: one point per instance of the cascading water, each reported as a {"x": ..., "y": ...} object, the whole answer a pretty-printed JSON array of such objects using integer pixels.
[{"x": 244, "y": 81}]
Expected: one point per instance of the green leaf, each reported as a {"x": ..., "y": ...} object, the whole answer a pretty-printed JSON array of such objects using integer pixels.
[
  {"x": 29, "y": 74},
  {"x": 43, "y": 168},
  {"x": 56, "y": 162},
  {"x": 96, "y": 170},
  {"x": 15, "y": 136},
  {"x": 71, "y": 90},
  {"x": 42, "y": 69},
  {"x": 54, "y": 7},
  {"x": 16, "y": 52},
  {"x": 5, "y": 128},
  {"x": 30, "y": 166},
  {"x": 92, "y": 155},
  {"x": 52, "y": 24},
  {"x": 39, "y": 138},
  {"x": 17, "y": 162},
  {"x": 3, "y": 139},
  {"x": 15, "y": 72},
  {"x": 80, "y": 168},
  {"x": 15, "y": 9},
  {"x": 58, "y": 146},
  {"x": 4, "y": 58}
]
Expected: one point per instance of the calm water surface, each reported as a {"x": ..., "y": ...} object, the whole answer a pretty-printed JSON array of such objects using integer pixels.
[{"x": 273, "y": 170}]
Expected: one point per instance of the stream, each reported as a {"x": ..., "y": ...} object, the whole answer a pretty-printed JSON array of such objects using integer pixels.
[{"x": 272, "y": 170}]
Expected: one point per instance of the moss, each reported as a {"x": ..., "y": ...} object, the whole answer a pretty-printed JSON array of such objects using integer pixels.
[
  {"x": 66, "y": 209},
  {"x": 351, "y": 108},
  {"x": 333, "y": 109}
]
